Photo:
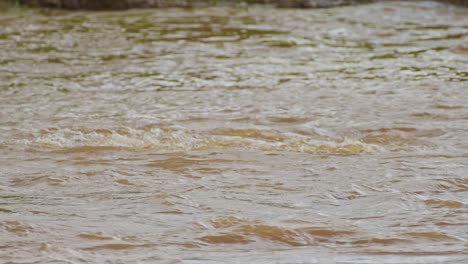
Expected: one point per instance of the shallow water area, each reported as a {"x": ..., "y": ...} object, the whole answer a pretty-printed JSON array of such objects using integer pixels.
[{"x": 235, "y": 134}]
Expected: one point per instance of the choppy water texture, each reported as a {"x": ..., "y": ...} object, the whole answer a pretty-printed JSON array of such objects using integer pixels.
[{"x": 243, "y": 135}]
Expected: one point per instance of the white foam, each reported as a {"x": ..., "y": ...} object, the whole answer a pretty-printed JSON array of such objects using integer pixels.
[{"x": 186, "y": 140}]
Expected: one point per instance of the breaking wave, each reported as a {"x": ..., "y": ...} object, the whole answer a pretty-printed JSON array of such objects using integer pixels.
[{"x": 168, "y": 139}]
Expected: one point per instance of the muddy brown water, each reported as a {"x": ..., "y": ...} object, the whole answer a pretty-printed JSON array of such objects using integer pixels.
[{"x": 235, "y": 135}]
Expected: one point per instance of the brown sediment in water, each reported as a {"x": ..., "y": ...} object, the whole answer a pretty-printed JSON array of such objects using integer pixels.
[
  {"x": 430, "y": 236},
  {"x": 173, "y": 136},
  {"x": 116, "y": 246},
  {"x": 226, "y": 239},
  {"x": 250, "y": 133},
  {"x": 95, "y": 236},
  {"x": 16, "y": 227}
]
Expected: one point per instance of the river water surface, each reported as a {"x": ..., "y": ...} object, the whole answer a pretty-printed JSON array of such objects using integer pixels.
[{"x": 235, "y": 135}]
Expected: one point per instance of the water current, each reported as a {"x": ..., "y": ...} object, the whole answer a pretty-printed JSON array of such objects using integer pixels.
[{"x": 235, "y": 135}]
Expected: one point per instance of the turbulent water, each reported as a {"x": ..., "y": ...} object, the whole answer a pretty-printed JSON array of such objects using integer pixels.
[{"x": 235, "y": 135}]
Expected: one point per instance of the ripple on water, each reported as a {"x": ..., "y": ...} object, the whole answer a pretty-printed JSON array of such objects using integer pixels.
[
  {"x": 437, "y": 203},
  {"x": 235, "y": 230},
  {"x": 117, "y": 246},
  {"x": 95, "y": 236},
  {"x": 16, "y": 227},
  {"x": 76, "y": 140},
  {"x": 181, "y": 164},
  {"x": 338, "y": 132},
  {"x": 228, "y": 238},
  {"x": 34, "y": 180}
]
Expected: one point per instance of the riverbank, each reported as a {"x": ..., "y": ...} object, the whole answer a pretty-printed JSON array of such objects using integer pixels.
[{"x": 128, "y": 4}]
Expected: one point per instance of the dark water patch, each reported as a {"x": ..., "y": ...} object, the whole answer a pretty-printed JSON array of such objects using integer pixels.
[
  {"x": 3, "y": 210},
  {"x": 446, "y": 37}
]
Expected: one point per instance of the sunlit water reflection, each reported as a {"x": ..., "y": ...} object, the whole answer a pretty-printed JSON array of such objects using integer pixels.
[{"x": 248, "y": 135}]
